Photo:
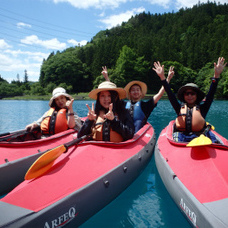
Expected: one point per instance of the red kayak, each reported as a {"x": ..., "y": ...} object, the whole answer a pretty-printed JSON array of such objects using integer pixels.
[
  {"x": 18, "y": 150},
  {"x": 196, "y": 178},
  {"x": 79, "y": 183}
]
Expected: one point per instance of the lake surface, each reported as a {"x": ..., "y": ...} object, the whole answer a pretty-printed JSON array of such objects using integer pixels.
[{"x": 145, "y": 203}]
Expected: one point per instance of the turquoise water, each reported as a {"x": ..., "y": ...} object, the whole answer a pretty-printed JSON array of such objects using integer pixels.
[{"x": 145, "y": 203}]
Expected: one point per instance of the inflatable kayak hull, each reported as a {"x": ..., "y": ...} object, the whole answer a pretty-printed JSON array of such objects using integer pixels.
[
  {"x": 16, "y": 157},
  {"x": 196, "y": 178},
  {"x": 80, "y": 183}
]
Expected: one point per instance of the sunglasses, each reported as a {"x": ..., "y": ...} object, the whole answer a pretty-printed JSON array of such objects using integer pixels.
[{"x": 189, "y": 93}]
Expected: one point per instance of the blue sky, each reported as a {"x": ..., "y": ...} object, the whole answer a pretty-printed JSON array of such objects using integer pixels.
[{"x": 32, "y": 29}]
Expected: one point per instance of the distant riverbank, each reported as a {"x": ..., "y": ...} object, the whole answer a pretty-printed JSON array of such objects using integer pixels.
[{"x": 79, "y": 96}]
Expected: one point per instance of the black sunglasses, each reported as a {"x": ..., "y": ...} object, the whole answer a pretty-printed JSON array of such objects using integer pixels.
[{"x": 189, "y": 93}]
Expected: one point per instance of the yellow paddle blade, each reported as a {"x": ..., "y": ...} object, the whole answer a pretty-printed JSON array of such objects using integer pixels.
[
  {"x": 202, "y": 140},
  {"x": 31, "y": 173},
  {"x": 44, "y": 162}
]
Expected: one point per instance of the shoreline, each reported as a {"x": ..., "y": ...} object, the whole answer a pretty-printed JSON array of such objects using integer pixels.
[{"x": 83, "y": 96}]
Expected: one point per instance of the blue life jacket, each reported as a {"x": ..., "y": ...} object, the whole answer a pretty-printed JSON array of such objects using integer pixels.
[{"x": 136, "y": 111}]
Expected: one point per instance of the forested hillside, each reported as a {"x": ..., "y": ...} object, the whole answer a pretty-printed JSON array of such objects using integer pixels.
[{"x": 190, "y": 39}]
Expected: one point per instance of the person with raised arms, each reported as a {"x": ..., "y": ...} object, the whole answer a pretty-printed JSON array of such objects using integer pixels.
[
  {"x": 193, "y": 106},
  {"x": 139, "y": 109}
]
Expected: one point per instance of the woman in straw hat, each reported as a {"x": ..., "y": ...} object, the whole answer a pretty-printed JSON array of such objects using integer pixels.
[
  {"x": 60, "y": 116},
  {"x": 109, "y": 121},
  {"x": 136, "y": 91},
  {"x": 191, "y": 112}
]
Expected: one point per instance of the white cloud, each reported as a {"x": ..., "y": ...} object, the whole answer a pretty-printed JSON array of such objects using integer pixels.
[
  {"x": 101, "y": 4},
  {"x": 83, "y": 42},
  {"x": 164, "y": 3},
  {"x": 53, "y": 44},
  {"x": 190, "y": 3},
  {"x": 76, "y": 43},
  {"x": 73, "y": 42},
  {"x": 23, "y": 25},
  {"x": 16, "y": 53},
  {"x": 117, "y": 19},
  {"x": 98, "y": 4},
  {"x": 102, "y": 14},
  {"x": 16, "y": 61},
  {"x": 5, "y": 62},
  {"x": 3, "y": 44}
]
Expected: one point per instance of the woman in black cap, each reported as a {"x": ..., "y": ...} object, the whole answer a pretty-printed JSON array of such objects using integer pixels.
[{"x": 191, "y": 112}]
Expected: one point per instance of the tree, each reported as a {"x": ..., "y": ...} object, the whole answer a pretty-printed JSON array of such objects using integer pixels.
[
  {"x": 37, "y": 89},
  {"x": 66, "y": 68},
  {"x": 26, "y": 82},
  {"x": 129, "y": 66},
  {"x": 26, "y": 77}
]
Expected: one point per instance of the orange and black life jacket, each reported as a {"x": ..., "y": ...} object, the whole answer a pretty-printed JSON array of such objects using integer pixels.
[
  {"x": 103, "y": 132},
  {"x": 190, "y": 119},
  {"x": 54, "y": 122}
]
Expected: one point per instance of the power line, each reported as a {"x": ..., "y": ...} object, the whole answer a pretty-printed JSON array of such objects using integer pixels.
[
  {"x": 12, "y": 39},
  {"x": 29, "y": 30},
  {"x": 72, "y": 31}
]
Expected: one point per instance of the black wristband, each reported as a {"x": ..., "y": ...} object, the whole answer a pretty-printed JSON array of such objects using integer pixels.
[{"x": 70, "y": 114}]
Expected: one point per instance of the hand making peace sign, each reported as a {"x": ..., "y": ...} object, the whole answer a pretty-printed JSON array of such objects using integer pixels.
[
  {"x": 109, "y": 115},
  {"x": 91, "y": 114}
]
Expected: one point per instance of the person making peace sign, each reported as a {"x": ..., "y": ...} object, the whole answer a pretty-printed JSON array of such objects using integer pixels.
[{"x": 110, "y": 120}]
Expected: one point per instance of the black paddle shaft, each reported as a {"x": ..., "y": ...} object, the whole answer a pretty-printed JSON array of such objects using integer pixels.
[
  {"x": 75, "y": 141},
  {"x": 208, "y": 127},
  {"x": 12, "y": 134}
]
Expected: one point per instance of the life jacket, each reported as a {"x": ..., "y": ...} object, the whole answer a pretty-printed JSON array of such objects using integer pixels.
[
  {"x": 190, "y": 119},
  {"x": 99, "y": 132},
  {"x": 136, "y": 111},
  {"x": 54, "y": 122}
]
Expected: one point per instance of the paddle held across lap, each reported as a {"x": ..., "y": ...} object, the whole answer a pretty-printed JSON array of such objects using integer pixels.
[{"x": 202, "y": 140}]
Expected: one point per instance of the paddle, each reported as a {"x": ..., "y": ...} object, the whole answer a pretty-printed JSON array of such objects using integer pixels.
[
  {"x": 13, "y": 133},
  {"x": 45, "y": 161},
  {"x": 202, "y": 140},
  {"x": 9, "y": 135}
]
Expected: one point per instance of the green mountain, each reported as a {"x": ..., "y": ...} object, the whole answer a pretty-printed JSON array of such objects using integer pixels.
[{"x": 191, "y": 39}]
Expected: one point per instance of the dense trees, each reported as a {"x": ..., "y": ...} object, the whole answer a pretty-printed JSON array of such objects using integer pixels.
[
  {"x": 66, "y": 68},
  {"x": 191, "y": 40}
]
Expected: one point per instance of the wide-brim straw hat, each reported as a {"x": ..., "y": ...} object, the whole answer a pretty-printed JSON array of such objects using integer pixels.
[
  {"x": 58, "y": 92},
  {"x": 106, "y": 85},
  {"x": 139, "y": 83},
  {"x": 192, "y": 86}
]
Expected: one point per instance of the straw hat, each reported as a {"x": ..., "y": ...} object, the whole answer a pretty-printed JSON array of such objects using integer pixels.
[
  {"x": 139, "y": 83},
  {"x": 106, "y": 85},
  {"x": 192, "y": 86},
  {"x": 58, "y": 92}
]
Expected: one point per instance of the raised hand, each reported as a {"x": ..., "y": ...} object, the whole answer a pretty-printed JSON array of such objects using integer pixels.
[
  {"x": 69, "y": 104},
  {"x": 219, "y": 67},
  {"x": 170, "y": 74},
  {"x": 105, "y": 73},
  {"x": 91, "y": 114},
  {"x": 159, "y": 69},
  {"x": 110, "y": 115}
]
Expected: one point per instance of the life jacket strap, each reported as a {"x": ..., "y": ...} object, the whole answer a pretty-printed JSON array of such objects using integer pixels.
[
  {"x": 106, "y": 131},
  {"x": 52, "y": 123},
  {"x": 188, "y": 121}
]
